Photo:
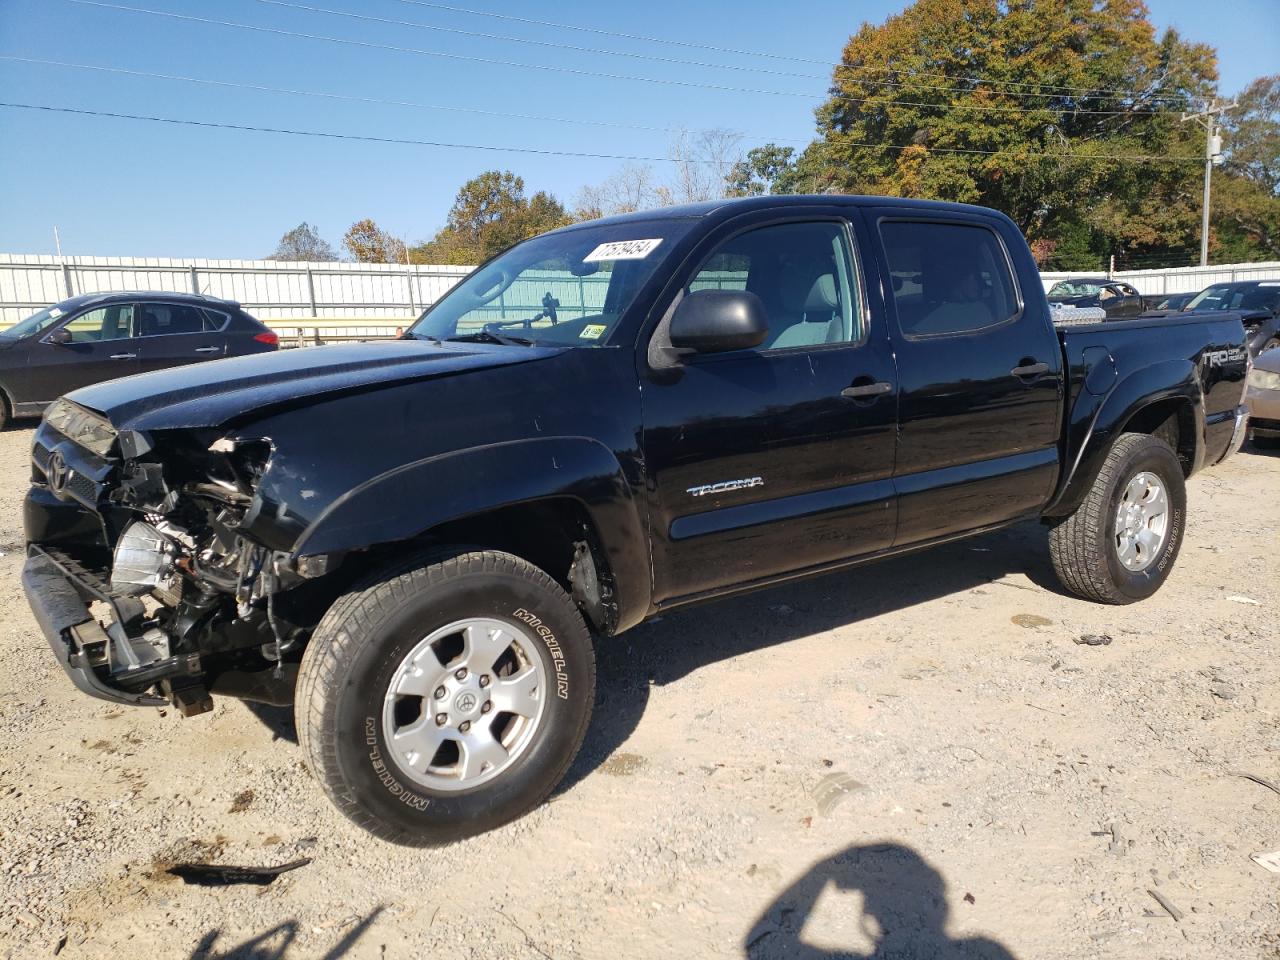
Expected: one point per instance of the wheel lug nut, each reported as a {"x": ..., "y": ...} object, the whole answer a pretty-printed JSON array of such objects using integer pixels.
[
  {"x": 461, "y": 673},
  {"x": 440, "y": 693},
  {"x": 464, "y": 726},
  {"x": 441, "y": 719},
  {"x": 488, "y": 705},
  {"x": 484, "y": 679}
]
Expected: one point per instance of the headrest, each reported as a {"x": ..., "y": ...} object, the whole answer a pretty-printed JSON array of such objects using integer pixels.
[{"x": 822, "y": 295}]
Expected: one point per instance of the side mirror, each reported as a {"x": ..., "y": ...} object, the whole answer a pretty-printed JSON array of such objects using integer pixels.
[
  {"x": 61, "y": 336},
  {"x": 713, "y": 321}
]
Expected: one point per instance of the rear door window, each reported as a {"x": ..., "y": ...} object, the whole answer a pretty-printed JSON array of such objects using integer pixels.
[
  {"x": 948, "y": 278},
  {"x": 161, "y": 319}
]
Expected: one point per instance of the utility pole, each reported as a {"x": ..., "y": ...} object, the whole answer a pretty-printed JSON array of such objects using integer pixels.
[{"x": 1208, "y": 118}]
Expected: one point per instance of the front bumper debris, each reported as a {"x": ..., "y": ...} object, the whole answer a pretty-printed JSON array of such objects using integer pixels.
[{"x": 110, "y": 664}]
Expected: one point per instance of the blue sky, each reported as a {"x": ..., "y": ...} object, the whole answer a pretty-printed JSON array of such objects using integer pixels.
[{"x": 118, "y": 187}]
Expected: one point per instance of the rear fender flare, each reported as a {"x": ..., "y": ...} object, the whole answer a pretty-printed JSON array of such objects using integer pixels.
[
  {"x": 1095, "y": 423},
  {"x": 410, "y": 500}
]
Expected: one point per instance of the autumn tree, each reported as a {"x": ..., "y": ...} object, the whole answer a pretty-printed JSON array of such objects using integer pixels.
[
  {"x": 1026, "y": 107},
  {"x": 304, "y": 242},
  {"x": 369, "y": 243}
]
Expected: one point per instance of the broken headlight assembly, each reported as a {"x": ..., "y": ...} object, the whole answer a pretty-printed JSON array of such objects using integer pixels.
[{"x": 90, "y": 430}]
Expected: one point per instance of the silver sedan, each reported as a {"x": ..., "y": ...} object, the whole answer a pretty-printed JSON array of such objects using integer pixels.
[{"x": 1263, "y": 398}]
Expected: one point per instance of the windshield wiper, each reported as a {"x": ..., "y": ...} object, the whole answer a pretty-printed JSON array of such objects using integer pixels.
[{"x": 491, "y": 336}]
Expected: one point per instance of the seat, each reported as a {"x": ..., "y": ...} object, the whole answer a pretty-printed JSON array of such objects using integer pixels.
[
  {"x": 819, "y": 320},
  {"x": 954, "y": 288}
]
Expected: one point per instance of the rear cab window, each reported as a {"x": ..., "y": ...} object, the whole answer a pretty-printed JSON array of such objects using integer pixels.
[{"x": 948, "y": 278}]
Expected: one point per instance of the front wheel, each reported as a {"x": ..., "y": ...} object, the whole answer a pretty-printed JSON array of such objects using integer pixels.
[
  {"x": 1120, "y": 544},
  {"x": 445, "y": 697}
]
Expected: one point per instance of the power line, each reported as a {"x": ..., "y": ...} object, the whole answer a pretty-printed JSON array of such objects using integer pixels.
[
  {"x": 688, "y": 44},
  {"x": 677, "y": 61},
  {"x": 576, "y": 71},
  {"x": 352, "y": 98},
  {"x": 339, "y": 136},
  {"x": 564, "y": 153}
]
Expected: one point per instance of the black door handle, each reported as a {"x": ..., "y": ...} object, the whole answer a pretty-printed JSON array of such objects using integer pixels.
[
  {"x": 1030, "y": 370},
  {"x": 863, "y": 391}
]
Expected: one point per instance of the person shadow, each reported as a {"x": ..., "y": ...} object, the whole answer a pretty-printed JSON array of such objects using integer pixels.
[{"x": 903, "y": 915}]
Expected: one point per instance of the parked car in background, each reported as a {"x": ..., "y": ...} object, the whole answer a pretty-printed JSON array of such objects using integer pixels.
[
  {"x": 1263, "y": 398},
  {"x": 1120, "y": 300},
  {"x": 1169, "y": 303},
  {"x": 102, "y": 336},
  {"x": 1258, "y": 302}
]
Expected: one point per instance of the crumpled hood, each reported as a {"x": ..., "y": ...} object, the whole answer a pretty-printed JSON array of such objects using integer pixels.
[{"x": 223, "y": 391}]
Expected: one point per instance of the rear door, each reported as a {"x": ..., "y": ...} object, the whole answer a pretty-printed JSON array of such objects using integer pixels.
[
  {"x": 980, "y": 376},
  {"x": 173, "y": 334},
  {"x": 102, "y": 346},
  {"x": 765, "y": 461}
]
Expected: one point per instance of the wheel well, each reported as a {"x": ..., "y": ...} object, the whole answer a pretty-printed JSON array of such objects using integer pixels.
[
  {"x": 546, "y": 533},
  {"x": 1173, "y": 422}
]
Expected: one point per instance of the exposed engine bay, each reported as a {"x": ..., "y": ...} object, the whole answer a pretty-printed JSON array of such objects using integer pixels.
[{"x": 162, "y": 535}]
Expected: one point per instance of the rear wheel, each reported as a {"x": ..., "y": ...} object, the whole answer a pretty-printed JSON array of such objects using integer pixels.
[
  {"x": 446, "y": 697},
  {"x": 1120, "y": 544}
]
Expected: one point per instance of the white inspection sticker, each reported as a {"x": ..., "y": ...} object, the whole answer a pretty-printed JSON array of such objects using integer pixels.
[
  {"x": 622, "y": 250},
  {"x": 54, "y": 313}
]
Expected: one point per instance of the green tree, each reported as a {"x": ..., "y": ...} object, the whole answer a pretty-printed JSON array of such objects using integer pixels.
[
  {"x": 1252, "y": 134},
  {"x": 767, "y": 169},
  {"x": 489, "y": 214},
  {"x": 304, "y": 242},
  {"x": 369, "y": 243}
]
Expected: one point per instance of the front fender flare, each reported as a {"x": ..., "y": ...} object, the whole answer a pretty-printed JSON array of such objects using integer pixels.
[{"x": 410, "y": 500}]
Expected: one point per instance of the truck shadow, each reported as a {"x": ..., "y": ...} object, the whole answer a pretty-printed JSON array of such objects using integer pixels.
[
  {"x": 663, "y": 651},
  {"x": 903, "y": 912}
]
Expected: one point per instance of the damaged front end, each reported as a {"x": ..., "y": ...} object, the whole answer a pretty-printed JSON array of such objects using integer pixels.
[{"x": 152, "y": 567}]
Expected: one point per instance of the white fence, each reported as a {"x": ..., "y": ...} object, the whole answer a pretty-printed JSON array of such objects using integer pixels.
[
  {"x": 280, "y": 293},
  {"x": 361, "y": 299},
  {"x": 1154, "y": 283}
]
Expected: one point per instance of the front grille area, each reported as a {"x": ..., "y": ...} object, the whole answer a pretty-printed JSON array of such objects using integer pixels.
[
  {"x": 1264, "y": 423},
  {"x": 79, "y": 467}
]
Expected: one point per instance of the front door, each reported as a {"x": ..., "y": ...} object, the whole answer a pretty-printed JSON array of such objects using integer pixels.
[
  {"x": 101, "y": 346},
  {"x": 981, "y": 378},
  {"x": 778, "y": 458}
]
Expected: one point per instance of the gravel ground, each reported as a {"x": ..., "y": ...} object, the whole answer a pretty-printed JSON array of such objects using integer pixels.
[{"x": 919, "y": 757}]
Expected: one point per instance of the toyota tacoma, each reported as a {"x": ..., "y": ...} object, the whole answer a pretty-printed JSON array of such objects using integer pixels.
[{"x": 417, "y": 541}]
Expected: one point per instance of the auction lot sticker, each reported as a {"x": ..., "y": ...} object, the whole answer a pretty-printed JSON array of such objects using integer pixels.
[{"x": 622, "y": 250}]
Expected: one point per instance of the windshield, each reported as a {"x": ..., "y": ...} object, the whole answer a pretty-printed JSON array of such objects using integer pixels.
[
  {"x": 35, "y": 323},
  {"x": 568, "y": 288},
  {"x": 1075, "y": 288},
  {"x": 1264, "y": 296}
]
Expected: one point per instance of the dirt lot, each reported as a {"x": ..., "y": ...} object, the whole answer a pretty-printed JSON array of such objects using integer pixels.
[{"x": 918, "y": 758}]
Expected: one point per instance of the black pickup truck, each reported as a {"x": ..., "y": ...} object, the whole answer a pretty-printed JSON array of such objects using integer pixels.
[{"x": 416, "y": 541}]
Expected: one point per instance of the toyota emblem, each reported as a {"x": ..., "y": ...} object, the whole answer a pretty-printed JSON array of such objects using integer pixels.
[{"x": 58, "y": 473}]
